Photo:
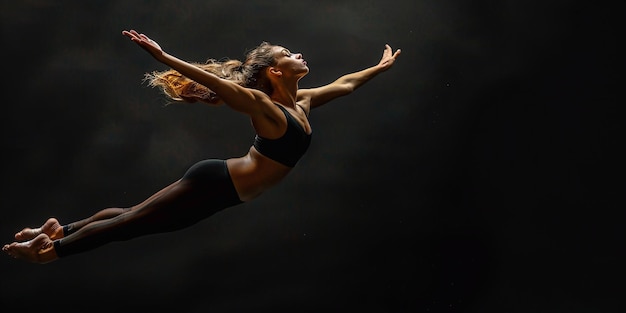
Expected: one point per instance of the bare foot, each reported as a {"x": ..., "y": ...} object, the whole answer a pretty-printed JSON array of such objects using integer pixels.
[
  {"x": 51, "y": 227},
  {"x": 38, "y": 250}
]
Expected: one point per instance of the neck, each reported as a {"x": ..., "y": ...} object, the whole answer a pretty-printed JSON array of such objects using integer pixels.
[{"x": 285, "y": 94}]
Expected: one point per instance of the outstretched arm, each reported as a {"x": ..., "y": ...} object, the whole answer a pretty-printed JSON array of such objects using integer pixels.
[
  {"x": 234, "y": 95},
  {"x": 346, "y": 84}
]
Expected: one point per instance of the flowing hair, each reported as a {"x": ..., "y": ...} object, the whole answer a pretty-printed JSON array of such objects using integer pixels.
[{"x": 249, "y": 73}]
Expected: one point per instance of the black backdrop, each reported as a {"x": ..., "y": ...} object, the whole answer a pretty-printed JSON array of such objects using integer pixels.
[{"x": 482, "y": 173}]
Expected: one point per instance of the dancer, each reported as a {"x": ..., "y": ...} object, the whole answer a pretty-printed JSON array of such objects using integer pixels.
[{"x": 264, "y": 87}]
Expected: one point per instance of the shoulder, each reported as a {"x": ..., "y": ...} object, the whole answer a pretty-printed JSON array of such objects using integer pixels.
[
  {"x": 318, "y": 96},
  {"x": 259, "y": 104}
]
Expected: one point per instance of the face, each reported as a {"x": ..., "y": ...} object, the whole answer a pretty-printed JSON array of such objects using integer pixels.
[{"x": 292, "y": 64}]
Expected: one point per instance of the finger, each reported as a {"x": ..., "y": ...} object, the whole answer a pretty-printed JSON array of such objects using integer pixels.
[
  {"x": 130, "y": 33},
  {"x": 142, "y": 36}
]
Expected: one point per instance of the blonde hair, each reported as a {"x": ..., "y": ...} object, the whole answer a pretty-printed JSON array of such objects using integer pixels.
[{"x": 249, "y": 73}]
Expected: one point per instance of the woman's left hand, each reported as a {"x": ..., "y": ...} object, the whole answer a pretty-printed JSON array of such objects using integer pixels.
[{"x": 388, "y": 58}]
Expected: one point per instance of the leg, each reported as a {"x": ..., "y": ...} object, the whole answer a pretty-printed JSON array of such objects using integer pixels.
[
  {"x": 40, "y": 248},
  {"x": 55, "y": 230},
  {"x": 205, "y": 189}
]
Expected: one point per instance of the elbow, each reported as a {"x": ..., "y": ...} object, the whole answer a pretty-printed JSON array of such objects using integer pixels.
[{"x": 349, "y": 88}]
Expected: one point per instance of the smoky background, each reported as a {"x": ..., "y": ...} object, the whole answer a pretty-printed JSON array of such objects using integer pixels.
[{"x": 482, "y": 173}]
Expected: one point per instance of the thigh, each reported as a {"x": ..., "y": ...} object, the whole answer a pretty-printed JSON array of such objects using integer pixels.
[{"x": 205, "y": 189}]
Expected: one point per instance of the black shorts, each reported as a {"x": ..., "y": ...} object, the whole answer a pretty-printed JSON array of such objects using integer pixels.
[{"x": 211, "y": 178}]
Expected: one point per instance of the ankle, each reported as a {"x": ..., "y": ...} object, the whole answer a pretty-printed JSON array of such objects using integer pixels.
[
  {"x": 68, "y": 230},
  {"x": 47, "y": 254}
]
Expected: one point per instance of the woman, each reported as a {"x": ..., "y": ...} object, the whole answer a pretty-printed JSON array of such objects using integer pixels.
[{"x": 264, "y": 87}]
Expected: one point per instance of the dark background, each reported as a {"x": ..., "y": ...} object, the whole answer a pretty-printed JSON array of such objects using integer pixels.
[{"x": 482, "y": 173}]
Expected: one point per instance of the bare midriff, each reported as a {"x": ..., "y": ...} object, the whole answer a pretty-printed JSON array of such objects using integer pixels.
[{"x": 254, "y": 173}]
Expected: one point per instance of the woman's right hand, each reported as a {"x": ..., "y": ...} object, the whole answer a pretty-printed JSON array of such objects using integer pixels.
[{"x": 144, "y": 42}]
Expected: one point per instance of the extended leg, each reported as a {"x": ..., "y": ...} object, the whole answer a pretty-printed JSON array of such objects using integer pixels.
[
  {"x": 178, "y": 206},
  {"x": 205, "y": 189},
  {"x": 53, "y": 228},
  {"x": 39, "y": 245}
]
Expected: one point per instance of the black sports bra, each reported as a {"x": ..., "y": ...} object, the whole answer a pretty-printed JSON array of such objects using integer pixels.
[{"x": 289, "y": 148}]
